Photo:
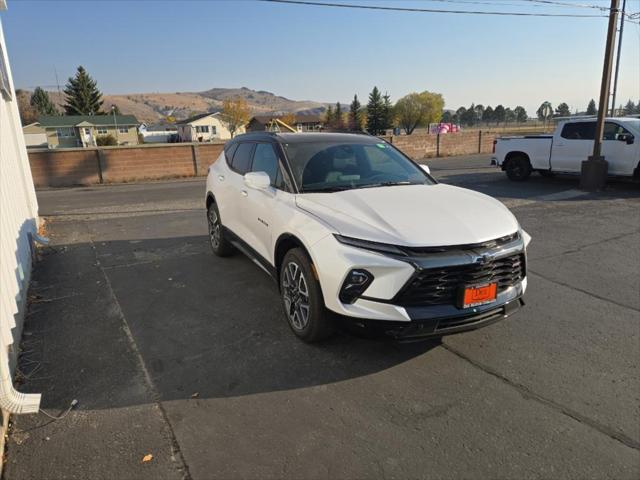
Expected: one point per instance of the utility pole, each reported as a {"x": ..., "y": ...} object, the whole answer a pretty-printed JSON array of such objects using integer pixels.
[
  {"x": 615, "y": 77},
  {"x": 595, "y": 168}
]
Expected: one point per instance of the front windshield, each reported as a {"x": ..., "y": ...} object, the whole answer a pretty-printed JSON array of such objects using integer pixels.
[{"x": 331, "y": 166}]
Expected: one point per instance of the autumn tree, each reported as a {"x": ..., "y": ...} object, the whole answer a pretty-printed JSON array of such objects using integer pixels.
[
  {"x": 82, "y": 96},
  {"x": 28, "y": 114},
  {"x": 418, "y": 109},
  {"x": 289, "y": 118},
  {"x": 235, "y": 114}
]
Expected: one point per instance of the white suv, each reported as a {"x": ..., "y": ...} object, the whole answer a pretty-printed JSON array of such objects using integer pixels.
[{"x": 353, "y": 230}]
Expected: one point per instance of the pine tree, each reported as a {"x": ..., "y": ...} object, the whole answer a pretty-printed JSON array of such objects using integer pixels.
[
  {"x": 329, "y": 116},
  {"x": 630, "y": 108},
  {"x": 387, "y": 112},
  {"x": 338, "y": 120},
  {"x": 591, "y": 108},
  {"x": 82, "y": 95},
  {"x": 355, "y": 115},
  {"x": 375, "y": 112},
  {"x": 42, "y": 104}
]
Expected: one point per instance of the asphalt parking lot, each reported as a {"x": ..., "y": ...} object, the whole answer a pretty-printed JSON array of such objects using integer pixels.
[{"x": 173, "y": 352}]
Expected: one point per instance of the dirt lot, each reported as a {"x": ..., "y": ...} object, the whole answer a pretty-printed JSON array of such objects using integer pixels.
[{"x": 178, "y": 354}]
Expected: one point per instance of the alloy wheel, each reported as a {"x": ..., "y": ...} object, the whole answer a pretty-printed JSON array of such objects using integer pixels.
[
  {"x": 295, "y": 294},
  {"x": 214, "y": 228}
]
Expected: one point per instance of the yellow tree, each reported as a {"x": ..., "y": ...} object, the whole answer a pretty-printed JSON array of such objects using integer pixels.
[
  {"x": 235, "y": 113},
  {"x": 418, "y": 109},
  {"x": 289, "y": 118}
]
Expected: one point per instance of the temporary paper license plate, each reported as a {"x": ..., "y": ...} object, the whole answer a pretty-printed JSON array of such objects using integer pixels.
[{"x": 479, "y": 295}]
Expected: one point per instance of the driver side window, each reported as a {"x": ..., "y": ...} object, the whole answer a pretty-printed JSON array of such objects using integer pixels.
[{"x": 265, "y": 160}]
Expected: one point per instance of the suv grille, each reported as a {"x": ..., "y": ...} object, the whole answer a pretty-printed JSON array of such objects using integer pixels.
[{"x": 440, "y": 286}]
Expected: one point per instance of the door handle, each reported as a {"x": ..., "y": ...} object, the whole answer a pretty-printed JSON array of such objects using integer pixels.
[
  {"x": 244, "y": 193},
  {"x": 221, "y": 178}
]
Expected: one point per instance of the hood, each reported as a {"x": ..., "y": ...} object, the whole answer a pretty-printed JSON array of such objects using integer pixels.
[{"x": 412, "y": 215}]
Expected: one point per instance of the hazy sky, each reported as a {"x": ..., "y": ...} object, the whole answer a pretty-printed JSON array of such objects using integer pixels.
[{"x": 318, "y": 53}]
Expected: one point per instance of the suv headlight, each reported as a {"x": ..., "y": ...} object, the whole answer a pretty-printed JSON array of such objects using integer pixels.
[{"x": 367, "y": 245}]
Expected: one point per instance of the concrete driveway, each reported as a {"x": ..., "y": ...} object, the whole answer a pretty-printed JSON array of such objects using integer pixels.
[{"x": 178, "y": 354}]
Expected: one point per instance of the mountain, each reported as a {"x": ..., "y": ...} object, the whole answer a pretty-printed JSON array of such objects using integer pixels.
[{"x": 151, "y": 107}]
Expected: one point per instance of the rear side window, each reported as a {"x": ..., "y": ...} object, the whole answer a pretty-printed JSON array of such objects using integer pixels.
[
  {"x": 265, "y": 160},
  {"x": 228, "y": 153},
  {"x": 612, "y": 131},
  {"x": 579, "y": 131},
  {"x": 241, "y": 162}
]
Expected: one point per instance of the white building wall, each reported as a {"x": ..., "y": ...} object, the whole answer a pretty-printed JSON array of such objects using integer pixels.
[{"x": 18, "y": 222}]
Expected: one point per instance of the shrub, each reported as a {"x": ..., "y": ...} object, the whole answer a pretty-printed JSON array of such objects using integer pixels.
[{"x": 106, "y": 141}]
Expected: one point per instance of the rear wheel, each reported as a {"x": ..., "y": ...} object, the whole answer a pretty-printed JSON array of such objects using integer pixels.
[
  {"x": 518, "y": 168},
  {"x": 219, "y": 243},
  {"x": 302, "y": 298}
]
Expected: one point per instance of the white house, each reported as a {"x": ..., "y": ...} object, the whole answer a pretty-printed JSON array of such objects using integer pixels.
[
  {"x": 158, "y": 132},
  {"x": 206, "y": 127},
  {"x": 18, "y": 229}
]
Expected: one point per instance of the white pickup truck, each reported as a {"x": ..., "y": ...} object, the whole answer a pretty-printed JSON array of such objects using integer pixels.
[{"x": 565, "y": 150}]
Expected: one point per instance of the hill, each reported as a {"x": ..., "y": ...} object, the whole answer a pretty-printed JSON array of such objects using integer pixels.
[{"x": 151, "y": 107}]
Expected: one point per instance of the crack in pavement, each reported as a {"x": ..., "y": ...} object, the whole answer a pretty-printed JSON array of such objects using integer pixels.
[
  {"x": 579, "y": 249},
  {"x": 155, "y": 394},
  {"x": 586, "y": 292},
  {"x": 526, "y": 392}
]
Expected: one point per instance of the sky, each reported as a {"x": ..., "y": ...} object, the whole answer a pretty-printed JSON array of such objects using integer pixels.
[{"x": 320, "y": 53}]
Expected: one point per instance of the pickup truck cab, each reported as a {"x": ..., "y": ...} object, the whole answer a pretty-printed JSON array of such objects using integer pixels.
[{"x": 566, "y": 149}]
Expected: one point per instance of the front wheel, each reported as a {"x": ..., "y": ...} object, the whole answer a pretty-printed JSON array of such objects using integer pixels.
[
  {"x": 518, "y": 168},
  {"x": 302, "y": 298}
]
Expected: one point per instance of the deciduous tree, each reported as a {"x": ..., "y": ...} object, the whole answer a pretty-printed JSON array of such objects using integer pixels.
[
  {"x": 563, "y": 110},
  {"x": 235, "y": 114},
  {"x": 419, "y": 109},
  {"x": 545, "y": 111},
  {"x": 499, "y": 114},
  {"x": 521, "y": 114},
  {"x": 82, "y": 96},
  {"x": 488, "y": 115}
]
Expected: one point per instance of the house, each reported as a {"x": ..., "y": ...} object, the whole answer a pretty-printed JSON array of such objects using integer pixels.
[
  {"x": 302, "y": 122},
  {"x": 69, "y": 131},
  {"x": 158, "y": 132},
  {"x": 206, "y": 127},
  {"x": 34, "y": 136}
]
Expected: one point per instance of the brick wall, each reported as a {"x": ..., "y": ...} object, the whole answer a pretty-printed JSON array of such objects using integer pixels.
[{"x": 86, "y": 166}]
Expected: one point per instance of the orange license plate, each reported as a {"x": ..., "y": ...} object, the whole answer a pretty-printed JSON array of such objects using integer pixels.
[{"x": 479, "y": 295}]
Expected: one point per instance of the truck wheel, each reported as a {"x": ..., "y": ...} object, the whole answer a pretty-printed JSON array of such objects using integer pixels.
[{"x": 518, "y": 168}]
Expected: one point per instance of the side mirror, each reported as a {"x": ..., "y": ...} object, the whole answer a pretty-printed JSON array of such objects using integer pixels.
[
  {"x": 626, "y": 137},
  {"x": 425, "y": 168},
  {"x": 257, "y": 180}
]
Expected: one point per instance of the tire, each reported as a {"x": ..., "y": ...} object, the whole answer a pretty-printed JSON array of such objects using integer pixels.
[
  {"x": 518, "y": 168},
  {"x": 546, "y": 173},
  {"x": 302, "y": 299},
  {"x": 217, "y": 240}
]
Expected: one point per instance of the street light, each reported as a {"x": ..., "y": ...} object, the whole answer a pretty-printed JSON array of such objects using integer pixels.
[
  {"x": 115, "y": 122},
  {"x": 593, "y": 175}
]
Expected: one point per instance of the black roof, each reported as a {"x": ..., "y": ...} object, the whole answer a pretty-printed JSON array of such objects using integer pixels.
[{"x": 309, "y": 137}]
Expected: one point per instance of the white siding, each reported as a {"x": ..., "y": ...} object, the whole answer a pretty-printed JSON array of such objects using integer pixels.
[{"x": 18, "y": 221}]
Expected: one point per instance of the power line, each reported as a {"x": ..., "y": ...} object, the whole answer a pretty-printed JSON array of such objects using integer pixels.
[{"x": 431, "y": 10}]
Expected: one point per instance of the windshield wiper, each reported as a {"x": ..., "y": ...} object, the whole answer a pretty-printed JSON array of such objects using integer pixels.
[
  {"x": 387, "y": 184},
  {"x": 332, "y": 188}
]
